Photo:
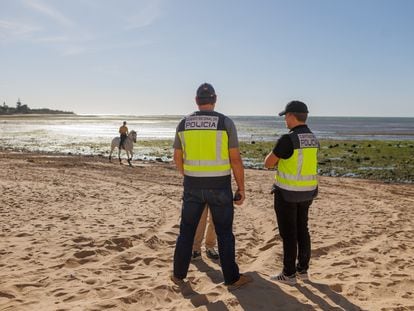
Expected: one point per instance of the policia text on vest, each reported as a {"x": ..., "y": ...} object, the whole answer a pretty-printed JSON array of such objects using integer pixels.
[{"x": 201, "y": 122}]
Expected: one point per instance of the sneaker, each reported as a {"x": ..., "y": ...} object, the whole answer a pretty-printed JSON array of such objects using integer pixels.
[
  {"x": 243, "y": 280},
  {"x": 303, "y": 275},
  {"x": 212, "y": 253},
  {"x": 285, "y": 279},
  {"x": 196, "y": 255}
]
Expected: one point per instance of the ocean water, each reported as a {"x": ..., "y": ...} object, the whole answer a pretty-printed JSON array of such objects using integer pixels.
[{"x": 92, "y": 135}]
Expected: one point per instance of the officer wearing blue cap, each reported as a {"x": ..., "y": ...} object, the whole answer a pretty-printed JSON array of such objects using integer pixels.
[{"x": 206, "y": 151}]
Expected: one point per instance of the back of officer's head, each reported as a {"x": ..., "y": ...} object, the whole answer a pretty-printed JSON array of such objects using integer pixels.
[{"x": 206, "y": 94}]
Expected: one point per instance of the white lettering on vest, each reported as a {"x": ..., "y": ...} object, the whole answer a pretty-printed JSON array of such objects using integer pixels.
[
  {"x": 308, "y": 140},
  {"x": 201, "y": 122}
]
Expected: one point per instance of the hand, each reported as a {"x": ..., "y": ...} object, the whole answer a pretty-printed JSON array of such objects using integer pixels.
[{"x": 239, "y": 197}]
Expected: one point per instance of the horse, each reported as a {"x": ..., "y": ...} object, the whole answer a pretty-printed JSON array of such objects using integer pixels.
[{"x": 128, "y": 146}]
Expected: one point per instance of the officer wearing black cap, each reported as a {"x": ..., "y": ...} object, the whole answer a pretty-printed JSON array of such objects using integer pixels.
[
  {"x": 296, "y": 185},
  {"x": 294, "y": 106}
]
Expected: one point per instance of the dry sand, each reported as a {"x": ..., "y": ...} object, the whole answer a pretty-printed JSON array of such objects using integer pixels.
[{"x": 79, "y": 233}]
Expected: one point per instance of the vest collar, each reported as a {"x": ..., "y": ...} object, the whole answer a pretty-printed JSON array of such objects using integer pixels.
[{"x": 302, "y": 126}]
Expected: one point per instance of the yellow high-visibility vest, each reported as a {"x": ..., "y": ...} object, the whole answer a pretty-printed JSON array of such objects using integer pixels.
[
  {"x": 204, "y": 143},
  {"x": 299, "y": 172}
]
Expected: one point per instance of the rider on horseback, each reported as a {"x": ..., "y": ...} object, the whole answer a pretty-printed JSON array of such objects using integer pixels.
[{"x": 123, "y": 130}]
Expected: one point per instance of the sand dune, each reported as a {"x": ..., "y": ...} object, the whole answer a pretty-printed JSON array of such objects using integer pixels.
[{"x": 79, "y": 233}]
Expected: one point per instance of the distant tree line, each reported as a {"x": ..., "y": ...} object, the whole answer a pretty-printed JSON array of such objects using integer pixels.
[{"x": 24, "y": 109}]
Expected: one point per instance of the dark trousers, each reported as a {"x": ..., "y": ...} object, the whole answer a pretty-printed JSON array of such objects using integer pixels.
[
  {"x": 220, "y": 202},
  {"x": 121, "y": 142},
  {"x": 292, "y": 219}
]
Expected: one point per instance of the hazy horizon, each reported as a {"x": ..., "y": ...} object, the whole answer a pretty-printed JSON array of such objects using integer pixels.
[{"x": 275, "y": 115}]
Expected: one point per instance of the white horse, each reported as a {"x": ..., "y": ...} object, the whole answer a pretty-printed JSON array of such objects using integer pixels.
[{"x": 128, "y": 146}]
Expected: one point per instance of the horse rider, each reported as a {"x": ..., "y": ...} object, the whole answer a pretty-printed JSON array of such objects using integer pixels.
[{"x": 123, "y": 131}]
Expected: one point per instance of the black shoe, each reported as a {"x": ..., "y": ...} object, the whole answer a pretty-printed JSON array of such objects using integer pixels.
[
  {"x": 212, "y": 253},
  {"x": 196, "y": 255}
]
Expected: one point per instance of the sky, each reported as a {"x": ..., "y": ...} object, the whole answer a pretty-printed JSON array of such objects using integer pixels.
[{"x": 147, "y": 57}]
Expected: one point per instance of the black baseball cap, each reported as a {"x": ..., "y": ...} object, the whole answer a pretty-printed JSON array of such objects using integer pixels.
[
  {"x": 294, "y": 106},
  {"x": 206, "y": 94}
]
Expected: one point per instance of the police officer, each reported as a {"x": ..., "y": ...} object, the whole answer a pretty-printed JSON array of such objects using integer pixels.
[
  {"x": 296, "y": 185},
  {"x": 206, "y": 150}
]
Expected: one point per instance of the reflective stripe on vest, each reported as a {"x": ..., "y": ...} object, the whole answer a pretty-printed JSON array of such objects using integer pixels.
[
  {"x": 299, "y": 172},
  {"x": 205, "y": 153}
]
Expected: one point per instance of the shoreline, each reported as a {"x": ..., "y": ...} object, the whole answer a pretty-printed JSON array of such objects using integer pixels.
[{"x": 386, "y": 161}]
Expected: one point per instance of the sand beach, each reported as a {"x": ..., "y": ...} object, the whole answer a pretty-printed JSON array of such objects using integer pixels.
[{"x": 80, "y": 233}]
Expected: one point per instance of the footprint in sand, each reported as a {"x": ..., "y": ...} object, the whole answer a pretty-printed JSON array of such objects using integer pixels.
[
  {"x": 118, "y": 244},
  {"x": 81, "y": 239},
  {"x": 132, "y": 260},
  {"x": 136, "y": 297},
  {"x": 407, "y": 295},
  {"x": 7, "y": 295},
  {"x": 153, "y": 242},
  {"x": 147, "y": 261},
  {"x": 91, "y": 281},
  {"x": 84, "y": 254},
  {"x": 60, "y": 294},
  {"x": 23, "y": 234}
]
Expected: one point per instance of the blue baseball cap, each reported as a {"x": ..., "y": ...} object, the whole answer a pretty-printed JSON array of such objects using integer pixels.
[{"x": 206, "y": 94}]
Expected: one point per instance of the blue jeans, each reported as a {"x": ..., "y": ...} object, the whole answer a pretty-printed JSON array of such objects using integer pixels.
[{"x": 220, "y": 202}]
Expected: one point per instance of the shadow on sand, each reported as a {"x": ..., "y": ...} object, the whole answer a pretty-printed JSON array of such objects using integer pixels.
[
  {"x": 263, "y": 294},
  {"x": 259, "y": 295},
  {"x": 313, "y": 291},
  {"x": 199, "y": 300}
]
